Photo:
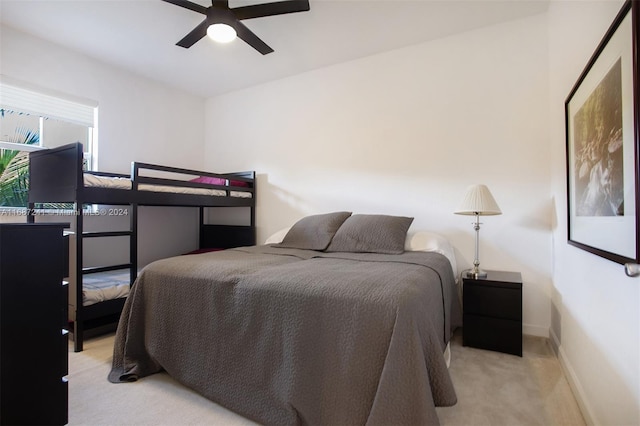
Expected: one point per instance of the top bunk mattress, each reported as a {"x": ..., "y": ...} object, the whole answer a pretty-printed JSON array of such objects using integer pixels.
[{"x": 95, "y": 181}]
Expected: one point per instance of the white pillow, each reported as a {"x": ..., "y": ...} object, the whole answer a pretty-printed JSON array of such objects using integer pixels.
[
  {"x": 278, "y": 236},
  {"x": 430, "y": 241},
  {"x": 416, "y": 241}
]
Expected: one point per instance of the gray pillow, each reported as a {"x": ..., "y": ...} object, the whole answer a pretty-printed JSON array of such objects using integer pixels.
[
  {"x": 313, "y": 232},
  {"x": 371, "y": 234}
]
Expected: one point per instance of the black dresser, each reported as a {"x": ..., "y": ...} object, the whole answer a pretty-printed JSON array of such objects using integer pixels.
[
  {"x": 493, "y": 312},
  {"x": 33, "y": 313}
]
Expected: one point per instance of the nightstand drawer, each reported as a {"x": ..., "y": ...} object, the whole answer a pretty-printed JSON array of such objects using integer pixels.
[
  {"x": 492, "y": 334},
  {"x": 492, "y": 301}
]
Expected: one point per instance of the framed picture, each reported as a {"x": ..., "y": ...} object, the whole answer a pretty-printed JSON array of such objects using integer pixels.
[{"x": 601, "y": 115}]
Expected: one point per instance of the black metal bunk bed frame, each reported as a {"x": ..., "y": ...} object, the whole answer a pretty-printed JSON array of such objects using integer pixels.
[{"x": 57, "y": 176}]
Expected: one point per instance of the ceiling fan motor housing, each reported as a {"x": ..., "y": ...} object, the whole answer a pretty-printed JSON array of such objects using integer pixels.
[{"x": 220, "y": 13}]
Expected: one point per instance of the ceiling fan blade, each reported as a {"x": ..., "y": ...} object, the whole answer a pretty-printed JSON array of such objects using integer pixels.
[
  {"x": 270, "y": 9},
  {"x": 188, "y": 5},
  {"x": 251, "y": 39},
  {"x": 196, "y": 34}
]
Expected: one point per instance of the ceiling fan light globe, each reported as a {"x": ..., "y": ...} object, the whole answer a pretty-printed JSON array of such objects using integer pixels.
[{"x": 222, "y": 33}]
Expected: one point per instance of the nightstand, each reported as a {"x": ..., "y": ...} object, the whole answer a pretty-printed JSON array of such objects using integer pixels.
[{"x": 493, "y": 312}]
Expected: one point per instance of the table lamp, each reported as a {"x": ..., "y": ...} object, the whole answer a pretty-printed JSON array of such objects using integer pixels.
[{"x": 477, "y": 202}]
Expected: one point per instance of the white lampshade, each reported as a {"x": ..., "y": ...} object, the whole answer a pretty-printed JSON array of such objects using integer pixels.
[
  {"x": 222, "y": 33},
  {"x": 478, "y": 201}
]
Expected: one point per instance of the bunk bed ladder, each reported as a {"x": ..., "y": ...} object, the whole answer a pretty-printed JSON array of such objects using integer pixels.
[{"x": 81, "y": 319}]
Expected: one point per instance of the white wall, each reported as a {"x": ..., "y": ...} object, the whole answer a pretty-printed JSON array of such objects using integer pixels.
[
  {"x": 405, "y": 132},
  {"x": 596, "y": 308},
  {"x": 139, "y": 120}
]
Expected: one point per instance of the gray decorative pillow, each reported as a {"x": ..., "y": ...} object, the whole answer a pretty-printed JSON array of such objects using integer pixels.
[
  {"x": 371, "y": 234},
  {"x": 314, "y": 232}
]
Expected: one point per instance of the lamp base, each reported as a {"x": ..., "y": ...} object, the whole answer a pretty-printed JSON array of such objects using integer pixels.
[{"x": 474, "y": 273}]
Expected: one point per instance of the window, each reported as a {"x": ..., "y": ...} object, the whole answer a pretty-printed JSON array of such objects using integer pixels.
[{"x": 35, "y": 119}]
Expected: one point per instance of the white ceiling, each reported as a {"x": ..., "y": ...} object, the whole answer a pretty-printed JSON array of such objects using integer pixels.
[{"x": 140, "y": 35}]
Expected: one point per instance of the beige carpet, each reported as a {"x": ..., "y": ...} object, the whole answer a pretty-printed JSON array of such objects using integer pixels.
[
  {"x": 499, "y": 389},
  {"x": 493, "y": 389}
]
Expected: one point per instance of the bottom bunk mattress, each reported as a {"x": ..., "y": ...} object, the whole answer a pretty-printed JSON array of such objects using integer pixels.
[
  {"x": 103, "y": 286},
  {"x": 287, "y": 336}
]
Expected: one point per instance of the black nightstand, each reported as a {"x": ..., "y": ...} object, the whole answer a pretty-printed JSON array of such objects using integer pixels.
[{"x": 493, "y": 312}]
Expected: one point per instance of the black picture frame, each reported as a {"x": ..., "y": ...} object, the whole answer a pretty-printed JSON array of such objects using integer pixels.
[{"x": 602, "y": 143}]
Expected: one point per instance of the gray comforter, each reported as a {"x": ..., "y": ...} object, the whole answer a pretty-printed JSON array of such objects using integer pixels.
[{"x": 286, "y": 336}]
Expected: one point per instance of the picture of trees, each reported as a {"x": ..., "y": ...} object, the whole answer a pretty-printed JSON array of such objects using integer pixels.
[{"x": 598, "y": 170}]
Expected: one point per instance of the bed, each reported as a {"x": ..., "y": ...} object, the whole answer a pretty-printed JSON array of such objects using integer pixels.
[
  {"x": 343, "y": 332},
  {"x": 57, "y": 180}
]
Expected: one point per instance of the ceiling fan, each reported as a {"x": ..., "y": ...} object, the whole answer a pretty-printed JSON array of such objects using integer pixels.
[{"x": 222, "y": 23}]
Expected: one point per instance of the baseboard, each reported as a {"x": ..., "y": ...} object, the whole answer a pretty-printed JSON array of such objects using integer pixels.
[
  {"x": 535, "y": 330},
  {"x": 574, "y": 383}
]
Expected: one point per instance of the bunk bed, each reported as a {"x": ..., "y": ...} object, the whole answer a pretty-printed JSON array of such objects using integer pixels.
[{"x": 57, "y": 179}]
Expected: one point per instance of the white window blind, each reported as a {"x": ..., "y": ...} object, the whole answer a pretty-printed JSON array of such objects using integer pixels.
[{"x": 23, "y": 100}]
